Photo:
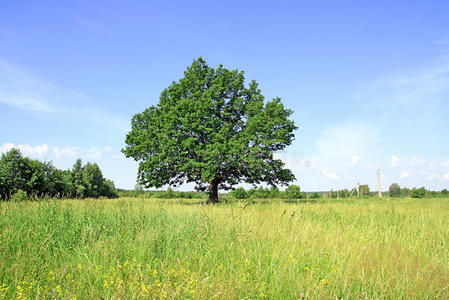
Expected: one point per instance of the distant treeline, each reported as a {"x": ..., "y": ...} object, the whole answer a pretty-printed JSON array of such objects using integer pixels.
[
  {"x": 396, "y": 191},
  {"x": 22, "y": 178},
  {"x": 169, "y": 193},
  {"x": 291, "y": 192}
]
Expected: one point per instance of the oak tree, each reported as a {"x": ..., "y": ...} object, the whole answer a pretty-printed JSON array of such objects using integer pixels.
[{"x": 211, "y": 129}]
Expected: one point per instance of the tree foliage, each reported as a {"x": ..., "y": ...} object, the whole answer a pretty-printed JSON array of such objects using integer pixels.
[
  {"x": 315, "y": 195},
  {"x": 364, "y": 190},
  {"x": 210, "y": 129},
  {"x": 395, "y": 190},
  {"x": 293, "y": 192},
  {"x": 418, "y": 192},
  {"x": 238, "y": 193},
  {"x": 23, "y": 176}
]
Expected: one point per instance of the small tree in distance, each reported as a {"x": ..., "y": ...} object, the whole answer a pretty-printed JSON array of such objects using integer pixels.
[
  {"x": 210, "y": 129},
  {"x": 364, "y": 190},
  {"x": 418, "y": 193},
  {"x": 238, "y": 193},
  {"x": 395, "y": 190},
  {"x": 293, "y": 192}
]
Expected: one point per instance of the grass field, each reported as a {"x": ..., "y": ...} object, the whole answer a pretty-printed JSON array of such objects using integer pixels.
[{"x": 134, "y": 248}]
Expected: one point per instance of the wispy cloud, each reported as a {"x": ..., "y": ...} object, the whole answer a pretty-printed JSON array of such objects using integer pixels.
[
  {"x": 25, "y": 103},
  {"x": 89, "y": 25},
  {"x": 441, "y": 42},
  {"x": 94, "y": 153},
  {"x": 65, "y": 152},
  {"x": 421, "y": 88},
  {"x": 330, "y": 174},
  {"x": 404, "y": 175},
  {"x": 394, "y": 161},
  {"x": 19, "y": 89},
  {"x": 349, "y": 140}
]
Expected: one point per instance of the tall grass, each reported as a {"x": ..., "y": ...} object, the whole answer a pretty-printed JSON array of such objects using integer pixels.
[{"x": 134, "y": 248}]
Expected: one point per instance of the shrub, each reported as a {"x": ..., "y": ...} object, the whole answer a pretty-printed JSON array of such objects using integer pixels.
[
  {"x": 418, "y": 193},
  {"x": 20, "y": 195},
  {"x": 315, "y": 195},
  {"x": 274, "y": 192},
  {"x": 395, "y": 190},
  {"x": 293, "y": 192},
  {"x": 261, "y": 193},
  {"x": 238, "y": 193}
]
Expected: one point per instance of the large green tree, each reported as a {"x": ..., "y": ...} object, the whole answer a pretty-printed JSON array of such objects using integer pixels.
[
  {"x": 211, "y": 129},
  {"x": 395, "y": 190}
]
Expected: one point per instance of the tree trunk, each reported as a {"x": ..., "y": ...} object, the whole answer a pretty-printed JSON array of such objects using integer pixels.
[{"x": 213, "y": 192}]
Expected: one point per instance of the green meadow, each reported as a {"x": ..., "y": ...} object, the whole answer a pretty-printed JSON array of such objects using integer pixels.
[{"x": 131, "y": 248}]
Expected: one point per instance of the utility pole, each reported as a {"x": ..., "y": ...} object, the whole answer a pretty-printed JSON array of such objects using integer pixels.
[
  {"x": 358, "y": 190},
  {"x": 378, "y": 183}
]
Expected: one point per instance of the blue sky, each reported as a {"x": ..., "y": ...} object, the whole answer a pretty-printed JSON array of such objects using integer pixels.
[{"x": 368, "y": 81}]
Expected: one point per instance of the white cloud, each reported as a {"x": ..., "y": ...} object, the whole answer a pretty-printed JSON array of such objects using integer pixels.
[
  {"x": 107, "y": 148},
  {"x": 93, "y": 153},
  {"x": 338, "y": 142},
  {"x": 39, "y": 151},
  {"x": 404, "y": 175},
  {"x": 6, "y": 147},
  {"x": 415, "y": 161},
  {"x": 330, "y": 174},
  {"x": 308, "y": 163},
  {"x": 445, "y": 177},
  {"x": 354, "y": 159},
  {"x": 294, "y": 162},
  {"x": 444, "y": 163},
  {"x": 431, "y": 176},
  {"x": 65, "y": 152},
  {"x": 56, "y": 152},
  {"x": 394, "y": 160}
]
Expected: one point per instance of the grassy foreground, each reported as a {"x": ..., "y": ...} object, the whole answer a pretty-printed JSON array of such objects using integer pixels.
[{"x": 133, "y": 248}]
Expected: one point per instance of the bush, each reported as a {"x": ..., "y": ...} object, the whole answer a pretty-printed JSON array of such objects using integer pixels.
[
  {"x": 261, "y": 193},
  {"x": 274, "y": 192},
  {"x": 293, "y": 192},
  {"x": 238, "y": 193},
  {"x": 395, "y": 190},
  {"x": 315, "y": 195},
  {"x": 405, "y": 192},
  {"x": 20, "y": 195},
  {"x": 418, "y": 193}
]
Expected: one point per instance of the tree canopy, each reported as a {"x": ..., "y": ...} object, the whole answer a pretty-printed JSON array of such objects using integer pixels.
[
  {"x": 212, "y": 130},
  {"x": 394, "y": 190},
  {"x": 19, "y": 174}
]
